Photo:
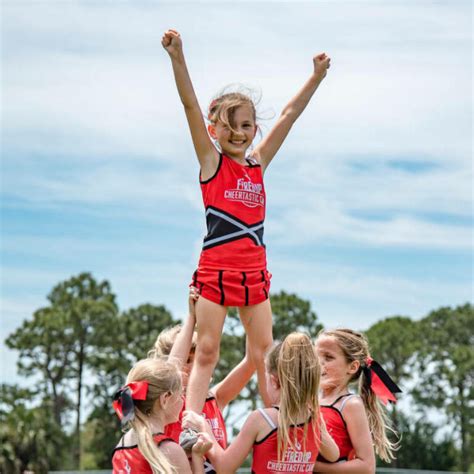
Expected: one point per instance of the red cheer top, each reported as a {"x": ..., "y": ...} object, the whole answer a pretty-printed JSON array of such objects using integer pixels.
[
  {"x": 214, "y": 417},
  {"x": 129, "y": 459},
  {"x": 337, "y": 428},
  {"x": 212, "y": 414},
  {"x": 301, "y": 458},
  {"x": 234, "y": 199},
  {"x": 173, "y": 430}
]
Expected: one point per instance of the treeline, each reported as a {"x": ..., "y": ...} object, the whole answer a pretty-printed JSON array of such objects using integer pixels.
[{"x": 75, "y": 352}]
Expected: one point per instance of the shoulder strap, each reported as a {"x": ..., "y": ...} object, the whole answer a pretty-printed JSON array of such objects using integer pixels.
[
  {"x": 340, "y": 398},
  {"x": 267, "y": 418},
  {"x": 350, "y": 395}
]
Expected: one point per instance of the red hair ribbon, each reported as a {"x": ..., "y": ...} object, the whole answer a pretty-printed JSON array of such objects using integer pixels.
[
  {"x": 123, "y": 400},
  {"x": 380, "y": 382}
]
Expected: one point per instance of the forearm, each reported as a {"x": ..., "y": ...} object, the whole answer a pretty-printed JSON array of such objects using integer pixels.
[
  {"x": 183, "y": 82},
  {"x": 197, "y": 463},
  {"x": 182, "y": 344},
  {"x": 298, "y": 103},
  {"x": 234, "y": 383}
]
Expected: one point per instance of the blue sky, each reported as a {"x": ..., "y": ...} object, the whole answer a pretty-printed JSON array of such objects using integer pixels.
[{"x": 369, "y": 200}]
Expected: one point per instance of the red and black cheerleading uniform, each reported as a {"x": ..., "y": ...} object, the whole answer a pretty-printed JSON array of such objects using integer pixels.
[
  {"x": 213, "y": 415},
  {"x": 129, "y": 459},
  {"x": 337, "y": 428},
  {"x": 232, "y": 269},
  {"x": 301, "y": 458}
]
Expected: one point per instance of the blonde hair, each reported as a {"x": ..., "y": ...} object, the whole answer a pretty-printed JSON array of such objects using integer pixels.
[
  {"x": 162, "y": 377},
  {"x": 165, "y": 340},
  {"x": 296, "y": 366},
  {"x": 223, "y": 107},
  {"x": 355, "y": 347}
]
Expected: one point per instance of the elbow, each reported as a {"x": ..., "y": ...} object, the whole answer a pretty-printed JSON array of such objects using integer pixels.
[{"x": 289, "y": 115}]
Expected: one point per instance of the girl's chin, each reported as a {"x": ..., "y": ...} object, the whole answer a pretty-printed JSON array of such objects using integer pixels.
[{"x": 327, "y": 384}]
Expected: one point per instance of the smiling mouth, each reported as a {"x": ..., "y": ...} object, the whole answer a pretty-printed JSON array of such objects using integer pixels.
[{"x": 237, "y": 142}]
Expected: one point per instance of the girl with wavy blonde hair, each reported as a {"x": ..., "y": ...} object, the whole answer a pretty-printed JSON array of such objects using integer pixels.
[
  {"x": 358, "y": 423},
  {"x": 150, "y": 400}
]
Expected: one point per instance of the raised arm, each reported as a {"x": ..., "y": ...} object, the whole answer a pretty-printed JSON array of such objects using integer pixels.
[
  {"x": 180, "y": 351},
  {"x": 267, "y": 148},
  {"x": 206, "y": 152},
  {"x": 235, "y": 381}
]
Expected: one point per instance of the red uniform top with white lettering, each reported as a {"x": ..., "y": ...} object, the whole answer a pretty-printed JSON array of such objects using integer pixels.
[
  {"x": 234, "y": 199},
  {"x": 215, "y": 419},
  {"x": 129, "y": 459},
  {"x": 301, "y": 458},
  {"x": 213, "y": 416}
]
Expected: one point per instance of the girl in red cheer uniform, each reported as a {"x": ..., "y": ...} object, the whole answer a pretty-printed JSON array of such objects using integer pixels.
[
  {"x": 150, "y": 400},
  {"x": 357, "y": 423},
  {"x": 232, "y": 269},
  {"x": 288, "y": 436}
]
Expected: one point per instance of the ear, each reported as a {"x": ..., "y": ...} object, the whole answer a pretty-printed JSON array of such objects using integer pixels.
[
  {"x": 212, "y": 131},
  {"x": 275, "y": 381},
  {"x": 353, "y": 367},
  {"x": 164, "y": 399}
]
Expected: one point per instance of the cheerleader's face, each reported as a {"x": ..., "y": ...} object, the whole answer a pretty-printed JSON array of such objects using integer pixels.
[
  {"x": 336, "y": 371},
  {"x": 234, "y": 143}
]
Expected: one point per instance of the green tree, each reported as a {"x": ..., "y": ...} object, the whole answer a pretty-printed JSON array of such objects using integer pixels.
[
  {"x": 88, "y": 307},
  {"x": 446, "y": 363},
  {"x": 292, "y": 313},
  {"x": 421, "y": 448},
  {"x": 45, "y": 349},
  {"x": 30, "y": 438}
]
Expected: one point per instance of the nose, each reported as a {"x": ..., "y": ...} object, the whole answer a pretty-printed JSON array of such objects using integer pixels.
[{"x": 237, "y": 134}]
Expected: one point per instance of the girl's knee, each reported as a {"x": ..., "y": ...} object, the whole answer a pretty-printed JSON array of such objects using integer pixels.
[{"x": 207, "y": 353}]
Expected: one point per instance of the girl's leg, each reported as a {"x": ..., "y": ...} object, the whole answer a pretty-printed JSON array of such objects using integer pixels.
[
  {"x": 257, "y": 321},
  {"x": 209, "y": 320}
]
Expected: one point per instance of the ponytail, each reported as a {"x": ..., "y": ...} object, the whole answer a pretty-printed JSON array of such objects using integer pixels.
[
  {"x": 296, "y": 366},
  {"x": 158, "y": 462},
  {"x": 379, "y": 422}
]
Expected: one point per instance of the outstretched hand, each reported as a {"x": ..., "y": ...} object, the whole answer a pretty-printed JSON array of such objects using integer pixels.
[
  {"x": 171, "y": 41},
  {"x": 193, "y": 297},
  {"x": 321, "y": 62}
]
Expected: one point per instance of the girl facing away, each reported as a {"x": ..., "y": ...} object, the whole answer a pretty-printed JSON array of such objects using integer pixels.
[
  {"x": 149, "y": 401},
  {"x": 232, "y": 269},
  {"x": 178, "y": 344},
  {"x": 358, "y": 423},
  {"x": 287, "y": 436}
]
